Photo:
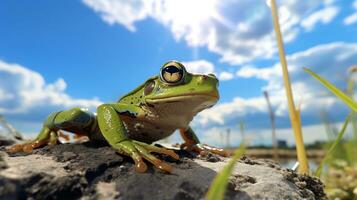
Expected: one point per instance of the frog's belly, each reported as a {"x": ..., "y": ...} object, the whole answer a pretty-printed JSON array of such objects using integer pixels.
[{"x": 145, "y": 131}]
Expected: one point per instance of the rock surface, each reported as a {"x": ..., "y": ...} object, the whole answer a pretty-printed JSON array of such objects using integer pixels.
[{"x": 86, "y": 171}]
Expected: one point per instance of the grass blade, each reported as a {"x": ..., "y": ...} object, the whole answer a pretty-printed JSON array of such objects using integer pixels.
[
  {"x": 220, "y": 182},
  {"x": 333, "y": 146},
  {"x": 294, "y": 116},
  {"x": 344, "y": 97}
]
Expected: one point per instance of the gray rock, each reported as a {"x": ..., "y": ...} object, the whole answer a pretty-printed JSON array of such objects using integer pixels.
[{"x": 87, "y": 171}]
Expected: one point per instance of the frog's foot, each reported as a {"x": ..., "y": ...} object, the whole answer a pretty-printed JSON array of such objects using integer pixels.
[
  {"x": 204, "y": 149},
  {"x": 139, "y": 150},
  {"x": 47, "y": 137}
]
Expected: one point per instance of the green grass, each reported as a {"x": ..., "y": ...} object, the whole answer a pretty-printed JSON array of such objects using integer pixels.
[
  {"x": 333, "y": 147},
  {"x": 220, "y": 182},
  {"x": 347, "y": 150},
  {"x": 341, "y": 177},
  {"x": 344, "y": 97}
]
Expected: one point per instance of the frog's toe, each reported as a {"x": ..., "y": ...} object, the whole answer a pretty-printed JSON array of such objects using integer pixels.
[
  {"x": 140, "y": 165},
  {"x": 26, "y": 147},
  {"x": 158, "y": 163},
  {"x": 29, "y": 147},
  {"x": 128, "y": 148},
  {"x": 50, "y": 139},
  {"x": 145, "y": 150},
  {"x": 16, "y": 148},
  {"x": 139, "y": 151},
  {"x": 204, "y": 149},
  {"x": 214, "y": 150},
  {"x": 155, "y": 149}
]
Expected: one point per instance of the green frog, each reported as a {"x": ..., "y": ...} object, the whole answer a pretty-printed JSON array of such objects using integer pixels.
[{"x": 151, "y": 112}]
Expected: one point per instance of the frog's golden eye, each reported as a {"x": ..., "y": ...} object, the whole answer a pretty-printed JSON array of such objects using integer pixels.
[
  {"x": 149, "y": 87},
  {"x": 172, "y": 72}
]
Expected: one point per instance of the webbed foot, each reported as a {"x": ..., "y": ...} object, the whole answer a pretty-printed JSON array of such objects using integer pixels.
[
  {"x": 204, "y": 149},
  {"x": 139, "y": 151},
  {"x": 46, "y": 137}
]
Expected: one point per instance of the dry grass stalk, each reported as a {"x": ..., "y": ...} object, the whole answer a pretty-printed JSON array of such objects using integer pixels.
[{"x": 293, "y": 112}]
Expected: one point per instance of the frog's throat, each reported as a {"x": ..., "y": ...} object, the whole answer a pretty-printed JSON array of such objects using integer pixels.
[{"x": 209, "y": 97}]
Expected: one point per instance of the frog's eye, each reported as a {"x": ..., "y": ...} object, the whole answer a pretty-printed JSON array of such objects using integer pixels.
[
  {"x": 149, "y": 87},
  {"x": 172, "y": 73}
]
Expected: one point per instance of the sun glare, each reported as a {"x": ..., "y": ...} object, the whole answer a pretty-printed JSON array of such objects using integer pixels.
[{"x": 193, "y": 12}]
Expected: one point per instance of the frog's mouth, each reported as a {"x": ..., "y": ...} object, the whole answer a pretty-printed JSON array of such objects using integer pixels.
[{"x": 213, "y": 98}]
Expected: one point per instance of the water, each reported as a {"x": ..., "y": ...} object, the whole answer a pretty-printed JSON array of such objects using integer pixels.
[{"x": 289, "y": 163}]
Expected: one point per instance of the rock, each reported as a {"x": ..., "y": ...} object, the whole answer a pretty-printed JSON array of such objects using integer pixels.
[{"x": 88, "y": 171}]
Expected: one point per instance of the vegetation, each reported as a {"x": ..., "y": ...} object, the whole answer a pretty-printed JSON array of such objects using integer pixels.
[
  {"x": 331, "y": 150},
  {"x": 220, "y": 182},
  {"x": 341, "y": 175},
  {"x": 339, "y": 167},
  {"x": 344, "y": 97},
  {"x": 294, "y": 112},
  {"x": 272, "y": 121}
]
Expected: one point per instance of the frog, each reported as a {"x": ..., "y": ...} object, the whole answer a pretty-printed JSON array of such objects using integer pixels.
[{"x": 151, "y": 112}]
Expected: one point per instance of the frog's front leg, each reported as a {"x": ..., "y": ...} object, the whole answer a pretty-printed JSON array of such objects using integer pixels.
[
  {"x": 192, "y": 143},
  {"x": 114, "y": 132}
]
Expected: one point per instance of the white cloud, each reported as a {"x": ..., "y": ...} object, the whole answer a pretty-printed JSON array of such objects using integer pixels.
[
  {"x": 206, "y": 67},
  {"x": 333, "y": 58},
  {"x": 238, "y": 30},
  {"x": 222, "y": 113},
  {"x": 225, "y": 76},
  {"x": 264, "y": 73},
  {"x": 351, "y": 19},
  {"x": 199, "y": 67},
  {"x": 27, "y": 98},
  {"x": 324, "y": 16},
  {"x": 130, "y": 11}
]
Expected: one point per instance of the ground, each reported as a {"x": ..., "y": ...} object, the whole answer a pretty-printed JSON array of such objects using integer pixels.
[{"x": 88, "y": 171}]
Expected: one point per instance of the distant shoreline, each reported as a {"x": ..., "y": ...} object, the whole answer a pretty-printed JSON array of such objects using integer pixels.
[{"x": 282, "y": 153}]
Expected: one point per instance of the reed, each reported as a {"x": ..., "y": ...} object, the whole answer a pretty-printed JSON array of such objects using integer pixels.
[
  {"x": 272, "y": 121},
  {"x": 241, "y": 128},
  {"x": 294, "y": 113}
]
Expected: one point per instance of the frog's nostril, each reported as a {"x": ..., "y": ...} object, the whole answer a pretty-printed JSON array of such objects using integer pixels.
[{"x": 204, "y": 77}]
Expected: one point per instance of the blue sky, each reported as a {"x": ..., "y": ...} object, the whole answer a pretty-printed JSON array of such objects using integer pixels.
[{"x": 59, "y": 54}]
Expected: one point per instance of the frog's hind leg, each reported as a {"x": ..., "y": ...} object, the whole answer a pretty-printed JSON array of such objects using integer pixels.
[
  {"x": 75, "y": 120},
  {"x": 193, "y": 144}
]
